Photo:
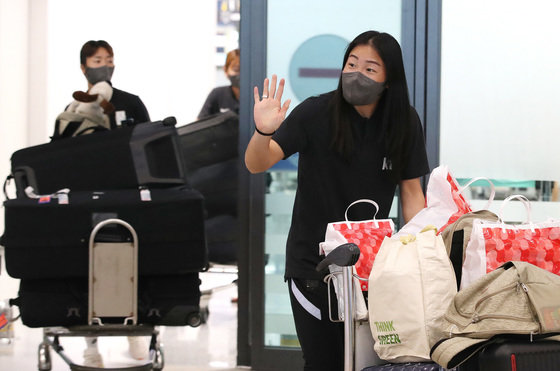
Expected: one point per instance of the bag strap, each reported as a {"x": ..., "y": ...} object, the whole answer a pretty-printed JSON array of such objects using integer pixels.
[
  {"x": 456, "y": 255},
  {"x": 90, "y": 130},
  {"x": 492, "y": 189},
  {"x": 6, "y": 182},
  {"x": 70, "y": 129},
  {"x": 527, "y": 205},
  {"x": 362, "y": 201}
]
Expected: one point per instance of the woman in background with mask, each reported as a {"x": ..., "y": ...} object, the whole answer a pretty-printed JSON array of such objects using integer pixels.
[
  {"x": 224, "y": 98},
  {"x": 96, "y": 62},
  {"x": 357, "y": 142}
]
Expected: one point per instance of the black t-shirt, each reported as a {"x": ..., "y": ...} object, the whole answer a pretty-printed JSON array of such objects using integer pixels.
[
  {"x": 220, "y": 99},
  {"x": 327, "y": 183},
  {"x": 129, "y": 108}
]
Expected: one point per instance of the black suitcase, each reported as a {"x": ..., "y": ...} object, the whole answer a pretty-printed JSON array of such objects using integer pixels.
[
  {"x": 210, "y": 140},
  {"x": 222, "y": 239},
  {"x": 516, "y": 355},
  {"x": 43, "y": 238},
  {"x": 164, "y": 300},
  {"x": 146, "y": 154},
  {"x": 218, "y": 183}
]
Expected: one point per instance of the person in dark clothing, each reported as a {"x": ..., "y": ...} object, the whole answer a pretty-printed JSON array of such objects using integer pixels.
[
  {"x": 224, "y": 98},
  {"x": 96, "y": 62},
  {"x": 359, "y": 141}
]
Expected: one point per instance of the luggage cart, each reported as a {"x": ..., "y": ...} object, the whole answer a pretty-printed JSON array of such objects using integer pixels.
[
  {"x": 113, "y": 286},
  {"x": 344, "y": 256},
  {"x": 357, "y": 335}
]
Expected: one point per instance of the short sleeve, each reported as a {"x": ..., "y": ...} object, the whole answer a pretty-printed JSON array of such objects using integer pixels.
[
  {"x": 291, "y": 135},
  {"x": 417, "y": 164}
]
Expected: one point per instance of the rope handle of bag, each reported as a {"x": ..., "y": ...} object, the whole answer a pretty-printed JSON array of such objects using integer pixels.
[
  {"x": 363, "y": 200},
  {"x": 492, "y": 189},
  {"x": 525, "y": 201}
]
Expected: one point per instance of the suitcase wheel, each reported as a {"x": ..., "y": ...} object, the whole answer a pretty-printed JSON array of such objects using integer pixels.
[
  {"x": 44, "y": 354},
  {"x": 158, "y": 363}
]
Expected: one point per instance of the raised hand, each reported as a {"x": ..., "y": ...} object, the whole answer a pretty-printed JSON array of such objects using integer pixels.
[{"x": 269, "y": 112}]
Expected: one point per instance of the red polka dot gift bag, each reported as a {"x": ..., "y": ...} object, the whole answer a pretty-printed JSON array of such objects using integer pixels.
[
  {"x": 368, "y": 236},
  {"x": 495, "y": 243}
]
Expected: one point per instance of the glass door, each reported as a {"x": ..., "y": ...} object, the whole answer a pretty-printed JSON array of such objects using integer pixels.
[
  {"x": 306, "y": 41},
  {"x": 303, "y": 42}
]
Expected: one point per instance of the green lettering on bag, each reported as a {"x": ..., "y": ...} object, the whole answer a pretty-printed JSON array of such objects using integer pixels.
[
  {"x": 389, "y": 339},
  {"x": 385, "y": 326}
]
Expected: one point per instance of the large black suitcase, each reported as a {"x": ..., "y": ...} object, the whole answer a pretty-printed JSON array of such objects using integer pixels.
[
  {"x": 210, "y": 140},
  {"x": 146, "y": 154},
  {"x": 44, "y": 238},
  {"x": 218, "y": 183},
  {"x": 222, "y": 239},
  {"x": 516, "y": 355},
  {"x": 162, "y": 300}
]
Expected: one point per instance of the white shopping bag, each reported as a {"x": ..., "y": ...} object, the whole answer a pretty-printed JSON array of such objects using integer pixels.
[
  {"x": 445, "y": 202},
  {"x": 411, "y": 284}
]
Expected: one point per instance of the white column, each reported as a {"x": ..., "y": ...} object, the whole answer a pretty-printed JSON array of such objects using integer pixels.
[
  {"x": 40, "y": 125},
  {"x": 13, "y": 82}
]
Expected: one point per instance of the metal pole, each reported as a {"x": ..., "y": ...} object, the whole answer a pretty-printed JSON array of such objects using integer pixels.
[{"x": 348, "y": 318}]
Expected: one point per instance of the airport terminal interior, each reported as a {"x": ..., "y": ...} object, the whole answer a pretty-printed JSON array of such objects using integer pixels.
[{"x": 484, "y": 85}]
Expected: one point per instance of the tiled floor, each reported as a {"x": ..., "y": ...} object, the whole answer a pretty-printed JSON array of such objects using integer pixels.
[{"x": 211, "y": 346}]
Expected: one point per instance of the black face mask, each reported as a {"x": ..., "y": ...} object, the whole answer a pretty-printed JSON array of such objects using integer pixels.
[
  {"x": 95, "y": 75},
  {"x": 235, "y": 80},
  {"x": 359, "y": 90}
]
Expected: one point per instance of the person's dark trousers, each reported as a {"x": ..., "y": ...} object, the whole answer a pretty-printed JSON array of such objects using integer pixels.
[{"x": 321, "y": 340}]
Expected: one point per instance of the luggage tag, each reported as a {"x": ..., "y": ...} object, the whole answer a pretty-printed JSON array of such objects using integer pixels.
[
  {"x": 62, "y": 196},
  {"x": 44, "y": 199},
  {"x": 145, "y": 194},
  {"x": 63, "y": 199}
]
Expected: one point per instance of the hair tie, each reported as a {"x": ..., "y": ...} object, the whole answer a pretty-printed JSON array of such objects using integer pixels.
[{"x": 265, "y": 134}]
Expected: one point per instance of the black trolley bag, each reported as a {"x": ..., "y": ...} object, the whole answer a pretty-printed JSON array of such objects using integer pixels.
[
  {"x": 511, "y": 354},
  {"x": 48, "y": 238},
  {"x": 146, "y": 154},
  {"x": 162, "y": 300},
  {"x": 210, "y": 153},
  {"x": 211, "y": 160},
  {"x": 210, "y": 140}
]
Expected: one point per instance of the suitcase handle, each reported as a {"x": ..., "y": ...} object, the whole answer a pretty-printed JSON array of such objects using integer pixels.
[
  {"x": 6, "y": 182},
  {"x": 115, "y": 265},
  {"x": 106, "y": 222},
  {"x": 24, "y": 176}
]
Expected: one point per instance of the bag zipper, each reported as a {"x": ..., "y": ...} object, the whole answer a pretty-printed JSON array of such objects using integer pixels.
[{"x": 474, "y": 317}]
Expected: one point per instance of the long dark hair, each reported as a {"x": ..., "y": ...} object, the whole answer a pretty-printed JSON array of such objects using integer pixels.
[{"x": 394, "y": 104}]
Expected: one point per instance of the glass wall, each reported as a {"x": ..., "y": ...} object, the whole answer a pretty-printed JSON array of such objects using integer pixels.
[
  {"x": 499, "y": 90},
  {"x": 306, "y": 41}
]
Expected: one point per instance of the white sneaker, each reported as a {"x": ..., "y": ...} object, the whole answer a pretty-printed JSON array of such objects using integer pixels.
[
  {"x": 92, "y": 358},
  {"x": 138, "y": 347}
]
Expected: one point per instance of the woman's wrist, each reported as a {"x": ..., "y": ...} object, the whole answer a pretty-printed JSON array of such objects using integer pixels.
[{"x": 264, "y": 134}]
